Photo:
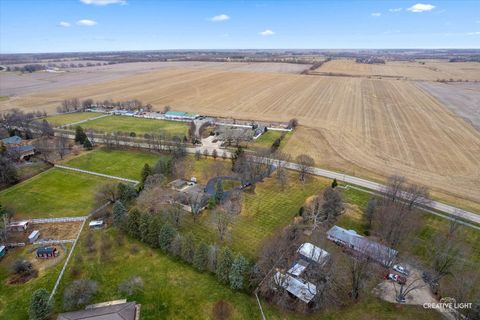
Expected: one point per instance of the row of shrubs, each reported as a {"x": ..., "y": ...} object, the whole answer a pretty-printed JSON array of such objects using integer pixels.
[{"x": 229, "y": 267}]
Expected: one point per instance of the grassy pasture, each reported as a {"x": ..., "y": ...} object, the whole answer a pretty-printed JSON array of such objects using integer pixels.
[
  {"x": 121, "y": 163},
  {"x": 263, "y": 212},
  {"x": 62, "y": 119},
  {"x": 15, "y": 299},
  {"x": 53, "y": 193},
  {"x": 138, "y": 125},
  {"x": 174, "y": 290},
  {"x": 266, "y": 140}
]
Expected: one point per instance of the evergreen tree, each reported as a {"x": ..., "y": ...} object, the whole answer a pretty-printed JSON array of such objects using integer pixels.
[
  {"x": 40, "y": 308},
  {"x": 146, "y": 171},
  {"x": 200, "y": 260},
  {"x": 145, "y": 220},
  {"x": 237, "y": 272},
  {"x": 334, "y": 183},
  {"x": 188, "y": 248},
  {"x": 219, "y": 193},
  {"x": 164, "y": 166},
  {"x": 133, "y": 223},
  {"x": 153, "y": 231},
  {"x": 237, "y": 155},
  {"x": 126, "y": 193},
  {"x": 87, "y": 144},
  {"x": 224, "y": 263},
  {"x": 119, "y": 212},
  {"x": 166, "y": 238},
  {"x": 80, "y": 135}
]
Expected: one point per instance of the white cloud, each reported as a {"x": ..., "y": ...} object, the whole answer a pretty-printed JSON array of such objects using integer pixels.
[
  {"x": 64, "y": 24},
  {"x": 421, "y": 7},
  {"x": 86, "y": 22},
  {"x": 104, "y": 2},
  {"x": 219, "y": 18},
  {"x": 476, "y": 33},
  {"x": 376, "y": 14},
  {"x": 267, "y": 33},
  {"x": 395, "y": 10}
]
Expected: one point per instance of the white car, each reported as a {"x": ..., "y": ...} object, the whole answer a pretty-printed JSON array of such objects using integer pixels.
[{"x": 401, "y": 269}]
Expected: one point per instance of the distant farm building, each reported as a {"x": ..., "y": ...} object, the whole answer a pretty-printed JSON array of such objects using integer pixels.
[
  {"x": 47, "y": 252},
  {"x": 361, "y": 245},
  {"x": 33, "y": 236},
  {"x": 178, "y": 115},
  {"x": 18, "y": 226},
  {"x": 3, "y": 251},
  {"x": 112, "y": 310}
]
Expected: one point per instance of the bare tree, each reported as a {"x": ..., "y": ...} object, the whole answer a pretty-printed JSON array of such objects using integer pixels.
[
  {"x": 304, "y": 163},
  {"x": 106, "y": 193},
  {"x": 196, "y": 203},
  {"x": 223, "y": 221},
  {"x": 404, "y": 289},
  {"x": 62, "y": 144},
  {"x": 91, "y": 136},
  {"x": 45, "y": 147},
  {"x": 359, "y": 269}
]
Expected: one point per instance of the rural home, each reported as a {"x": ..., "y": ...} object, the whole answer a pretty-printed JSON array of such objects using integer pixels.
[
  {"x": 18, "y": 148},
  {"x": 291, "y": 281},
  {"x": 178, "y": 115},
  {"x": 353, "y": 241},
  {"x": 19, "y": 226},
  {"x": 112, "y": 310},
  {"x": 47, "y": 252},
  {"x": 33, "y": 236}
]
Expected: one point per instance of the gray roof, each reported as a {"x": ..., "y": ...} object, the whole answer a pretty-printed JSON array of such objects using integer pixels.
[
  {"x": 364, "y": 245},
  {"x": 123, "y": 311},
  {"x": 20, "y": 149}
]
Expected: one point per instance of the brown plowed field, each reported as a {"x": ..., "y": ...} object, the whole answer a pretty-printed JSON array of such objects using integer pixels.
[
  {"x": 371, "y": 127},
  {"x": 426, "y": 70}
]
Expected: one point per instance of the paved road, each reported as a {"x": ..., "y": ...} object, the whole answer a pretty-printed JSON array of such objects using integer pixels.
[{"x": 433, "y": 205}]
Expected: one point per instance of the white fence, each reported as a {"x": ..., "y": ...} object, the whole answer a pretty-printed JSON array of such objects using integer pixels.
[
  {"x": 53, "y": 220},
  {"x": 96, "y": 174},
  {"x": 46, "y": 242}
]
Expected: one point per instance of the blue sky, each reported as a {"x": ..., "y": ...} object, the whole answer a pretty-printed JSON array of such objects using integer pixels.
[{"x": 104, "y": 25}]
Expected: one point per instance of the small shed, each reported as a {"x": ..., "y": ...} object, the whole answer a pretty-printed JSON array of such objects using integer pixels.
[
  {"x": 47, "y": 252},
  {"x": 312, "y": 253},
  {"x": 18, "y": 226},
  {"x": 33, "y": 236},
  {"x": 96, "y": 224},
  {"x": 3, "y": 251},
  {"x": 299, "y": 288}
]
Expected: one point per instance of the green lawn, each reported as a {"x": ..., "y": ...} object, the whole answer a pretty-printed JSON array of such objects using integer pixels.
[
  {"x": 266, "y": 140},
  {"x": 53, "y": 193},
  {"x": 15, "y": 299},
  {"x": 138, "y": 125},
  {"x": 174, "y": 290},
  {"x": 62, "y": 119},
  {"x": 121, "y": 163},
  {"x": 263, "y": 213}
]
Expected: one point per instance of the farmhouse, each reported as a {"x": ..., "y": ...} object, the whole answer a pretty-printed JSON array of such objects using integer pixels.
[
  {"x": 291, "y": 281},
  {"x": 47, "y": 252},
  {"x": 33, "y": 236},
  {"x": 178, "y": 115},
  {"x": 19, "y": 226},
  {"x": 353, "y": 241},
  {"x": 18, "y": 148},
  {"x": 112, "y": 310}
]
